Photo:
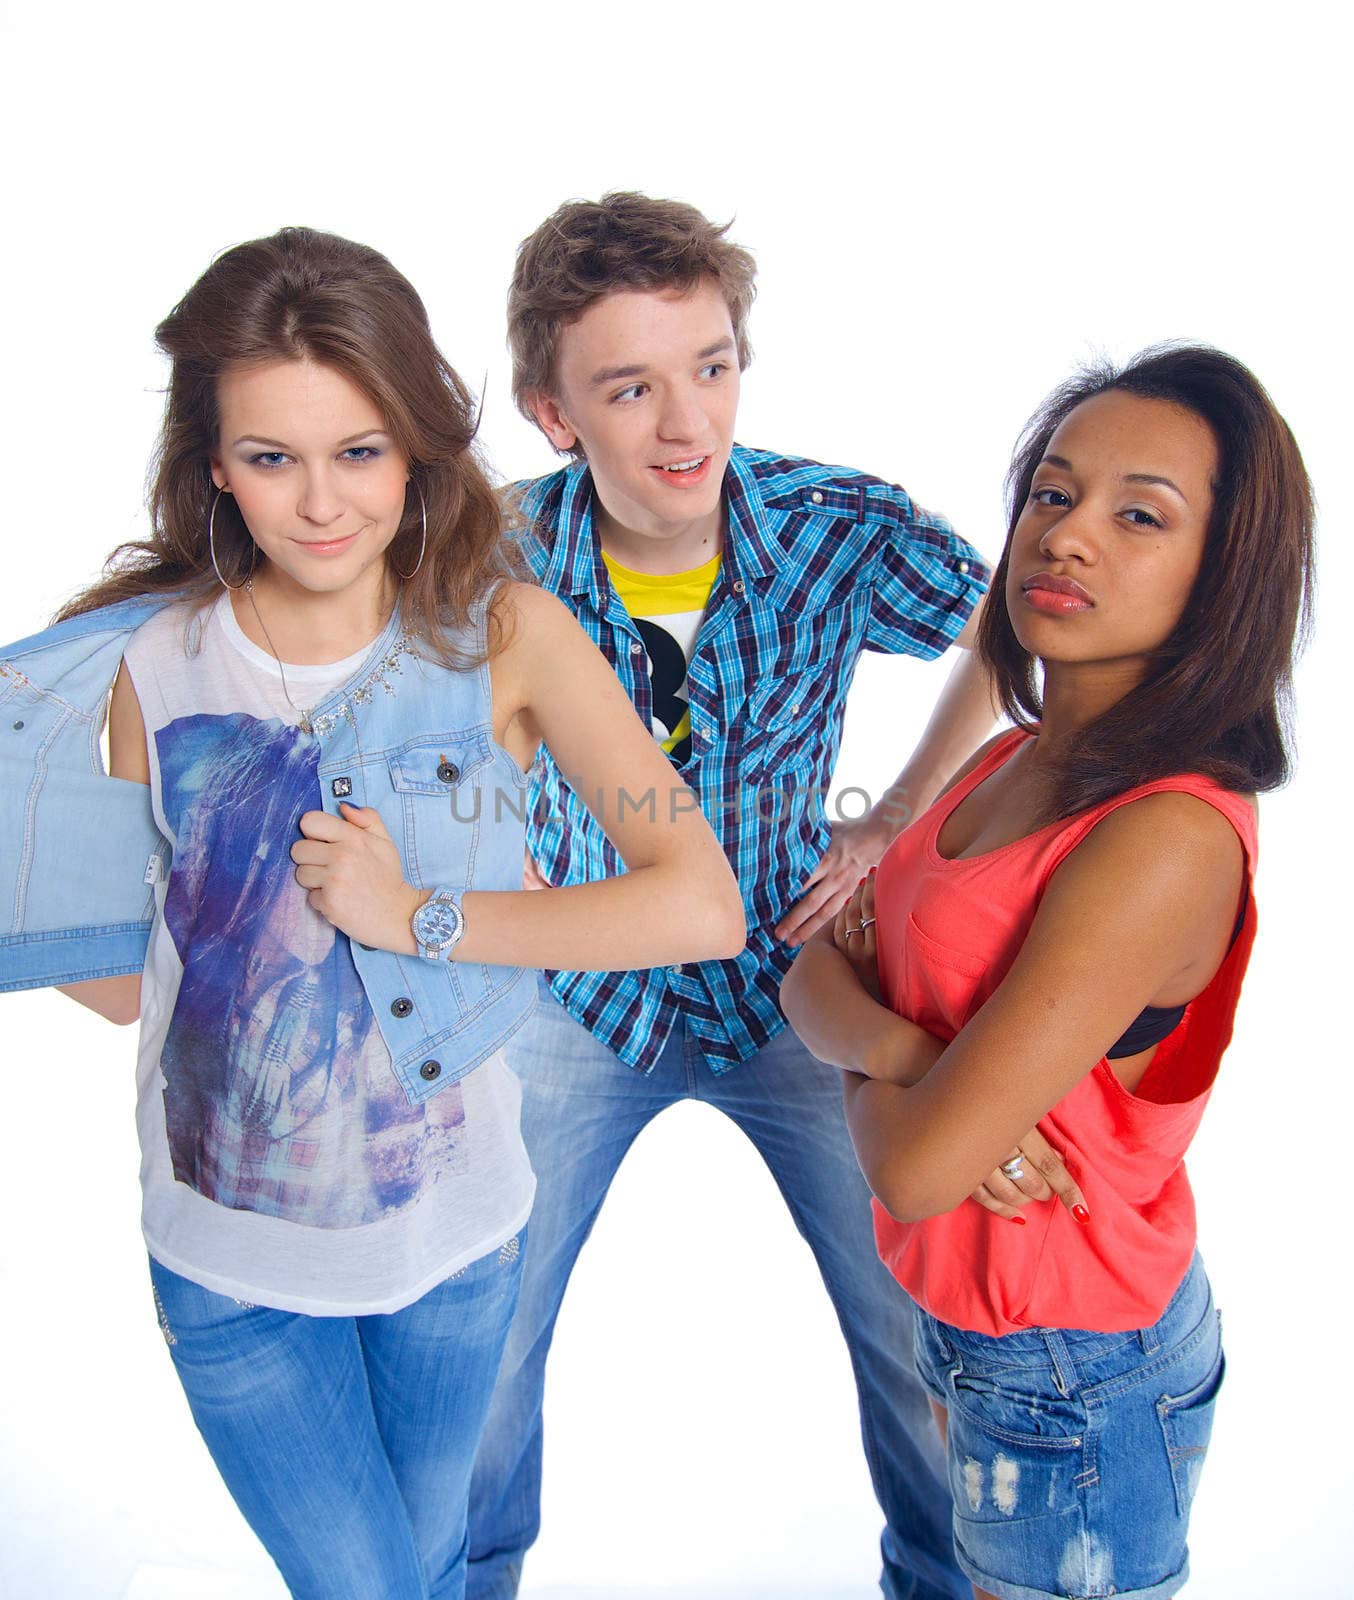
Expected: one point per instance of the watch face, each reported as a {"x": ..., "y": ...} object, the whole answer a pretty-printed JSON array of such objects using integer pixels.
[{"x": 437, "y": 924}]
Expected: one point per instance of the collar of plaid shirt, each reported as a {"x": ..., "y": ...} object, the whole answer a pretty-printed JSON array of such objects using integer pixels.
[
  {"x": 786, "y": 621},
  {"x": 575, "y": 563}
]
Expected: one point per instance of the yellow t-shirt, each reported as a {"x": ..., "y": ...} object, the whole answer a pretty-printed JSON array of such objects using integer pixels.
[{"x": 667, "y": 611}]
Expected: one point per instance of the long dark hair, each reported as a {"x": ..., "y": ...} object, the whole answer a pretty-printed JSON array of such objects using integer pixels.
[
  {"x": 1216, "y": 695},
  {"x": 301, "y": 294}
]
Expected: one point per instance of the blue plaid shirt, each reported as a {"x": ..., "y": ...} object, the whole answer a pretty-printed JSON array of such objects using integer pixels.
[{"x": 819, "y": 563}]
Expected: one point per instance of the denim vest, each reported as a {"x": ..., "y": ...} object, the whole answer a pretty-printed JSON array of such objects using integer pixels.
[{"x": 80, "y": 854}]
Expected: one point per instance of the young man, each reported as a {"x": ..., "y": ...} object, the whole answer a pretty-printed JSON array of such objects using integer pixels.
[{"x": 733, "y": 592}]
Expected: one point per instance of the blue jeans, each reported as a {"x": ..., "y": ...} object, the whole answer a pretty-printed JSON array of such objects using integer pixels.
[
  {"x": 581, "y": 1109},
  {"x": 1074, "y": 1455},
  {"x": 347, "y": 1441}
]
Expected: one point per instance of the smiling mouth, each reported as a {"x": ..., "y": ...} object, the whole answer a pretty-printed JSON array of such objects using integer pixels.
[
  {"x": 678, "y": 467},
  {"x": 320, "y": 546}
]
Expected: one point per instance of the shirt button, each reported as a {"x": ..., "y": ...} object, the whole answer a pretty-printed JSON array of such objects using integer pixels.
[
  {"x": 817, "y": 497},
  {"x": 401, "y": 1007},
  {"x": 678, "y": 970},
  {"x": 794, "y": 709},
  {"x": 448, "y": 771},
  {"x": 738, "y": 586},
  {"x": 636, "y": 648},
  {"x": 963, "y": 566},
  {"x": 430, "y": 1070}
]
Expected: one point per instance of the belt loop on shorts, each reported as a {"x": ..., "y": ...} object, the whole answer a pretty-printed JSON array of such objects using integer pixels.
[
  {"x": 1064, "y": 1371},
  {"x": 1150, "y": 1339}
]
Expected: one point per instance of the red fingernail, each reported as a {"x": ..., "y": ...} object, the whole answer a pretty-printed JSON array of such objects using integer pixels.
[
  {"x": 1019, "y": 1220},
  {"x": 1082, "y": 1215},
  {"x": 872, "y": 872},
  {"x": 861, "y": 882}
]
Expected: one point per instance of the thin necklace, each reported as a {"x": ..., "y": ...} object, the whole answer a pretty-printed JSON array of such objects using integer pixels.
[{"x": 302, "y": 717}]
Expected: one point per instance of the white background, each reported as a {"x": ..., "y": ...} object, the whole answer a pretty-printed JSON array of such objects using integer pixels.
[{"x": 950, "y": 208}]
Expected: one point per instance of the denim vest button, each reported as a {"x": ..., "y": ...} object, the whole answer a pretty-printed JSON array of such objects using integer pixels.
[
  {"x": 401, "y": 1007},
  {"x": 430, "y": 1070},
  {"x": 18, "y": 725},
  {"x": 448, "y": 771}
]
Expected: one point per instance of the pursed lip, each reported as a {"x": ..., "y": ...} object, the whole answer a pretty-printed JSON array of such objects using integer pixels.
[{"x": 1056, "y": 584}]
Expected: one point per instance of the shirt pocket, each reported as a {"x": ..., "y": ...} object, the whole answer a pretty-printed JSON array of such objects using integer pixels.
[
  {"x": 938, "y": 983},
  {"x": 783, "y": 725},
  {"x": 935, "y": 951},
  {"x": 440, "y": 782}
]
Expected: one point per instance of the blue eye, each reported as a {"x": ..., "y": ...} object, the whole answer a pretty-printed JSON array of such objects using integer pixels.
[
  {"x": 361, "y": 452},
  {"x": 267, "y": 459}
]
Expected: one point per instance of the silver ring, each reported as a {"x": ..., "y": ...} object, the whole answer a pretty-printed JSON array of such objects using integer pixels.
[
  {"x": 1013, "y": 1168},
  {"x": 866, "y": 922},
  {"x": 850, "y": 931}
]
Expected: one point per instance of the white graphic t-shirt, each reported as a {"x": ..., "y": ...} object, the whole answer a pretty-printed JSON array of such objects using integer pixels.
[
  {"x": 667, "y": 610},
  {"x": 281, "y": 1160}
]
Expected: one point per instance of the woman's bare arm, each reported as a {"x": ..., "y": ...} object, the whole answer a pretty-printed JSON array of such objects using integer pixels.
[
  {"x": 677, "y": 900},
  {"x": 1141, "y": 913}
]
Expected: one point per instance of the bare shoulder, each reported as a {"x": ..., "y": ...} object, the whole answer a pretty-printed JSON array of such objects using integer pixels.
[
  {"x": 1151, "y": 893},
  {"x": 524, "y": 607},
  {"x": 1173, "y": 826},
  {"x": 1169, "y": 861},
  {"x": 532, "y": 627}
]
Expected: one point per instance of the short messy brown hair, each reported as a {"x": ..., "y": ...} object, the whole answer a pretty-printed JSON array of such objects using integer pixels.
[{"x": 590, "y": 248}]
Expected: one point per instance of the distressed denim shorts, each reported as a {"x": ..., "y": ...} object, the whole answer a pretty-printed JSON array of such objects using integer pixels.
[{"x": 1073, "y": 1456}]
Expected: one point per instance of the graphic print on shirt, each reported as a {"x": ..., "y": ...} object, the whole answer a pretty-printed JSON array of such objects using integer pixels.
[
  {"x": 667, "y": 610},
  {"x": 272, "y": 1048},
  {"x": 671, "y": 718}
]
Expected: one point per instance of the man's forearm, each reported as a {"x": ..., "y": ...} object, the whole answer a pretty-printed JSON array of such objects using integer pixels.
[{"x": 962, "y": 719}]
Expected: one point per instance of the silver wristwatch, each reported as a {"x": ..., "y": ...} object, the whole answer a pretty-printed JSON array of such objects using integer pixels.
[{"x": 438, "y": 925}]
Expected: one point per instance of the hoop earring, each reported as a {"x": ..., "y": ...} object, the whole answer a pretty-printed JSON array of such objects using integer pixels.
[
  {"x": 404, "y": 577},
  {"x": 211, "y": 547}
]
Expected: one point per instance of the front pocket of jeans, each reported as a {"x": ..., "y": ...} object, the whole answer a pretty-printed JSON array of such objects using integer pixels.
[
  {"x": 1046, "y": 1422},
  {"x": 1186, "y": 1425},
  {"x": 999, "y": 1474}
]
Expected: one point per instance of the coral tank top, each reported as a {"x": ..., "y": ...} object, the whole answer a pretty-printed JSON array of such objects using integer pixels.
[{"x": 947, "y": 933}]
